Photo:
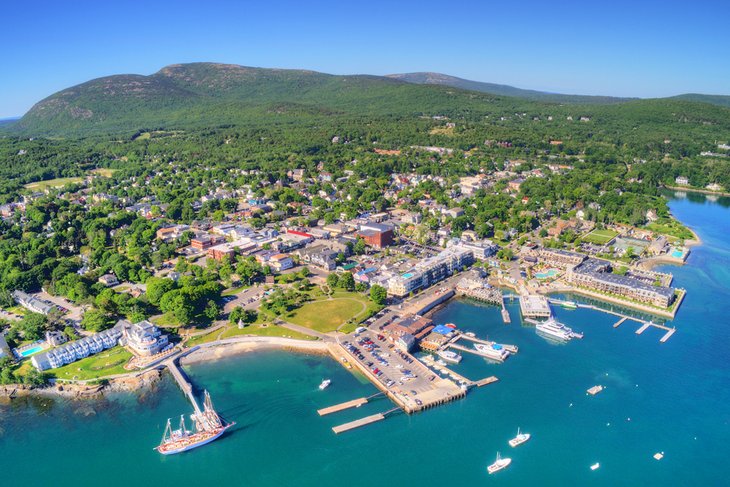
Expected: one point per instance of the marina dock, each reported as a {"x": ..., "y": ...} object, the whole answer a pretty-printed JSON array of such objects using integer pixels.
[
  {"x": 355, "y": 403},
  {"x": 643, "y": 328},
  {"x": 619, "y": 322},
  {"x": 667, "y": 335},
  {"x": 486, "y": 381},
  {"x": 358, "y": 423}
]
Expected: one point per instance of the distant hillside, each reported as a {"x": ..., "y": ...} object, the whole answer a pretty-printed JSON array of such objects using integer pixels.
[
  {"x": 720, "y": 100},
  {"x": 503, "y": 90},
  {"x": 201, "y": 94},
  {"x": 205, "y": 95}
]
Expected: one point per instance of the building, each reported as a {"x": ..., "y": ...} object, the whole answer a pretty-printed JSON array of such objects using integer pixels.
[
  {"x": 109, "y": 280},
  {"x": 534, "y": 306},
  {"x": 482, "y": 249},
  {"x": 76, "y": 350},
  {"x": 226, "y": 251},
  {"x": 280, "y": 262},
  {"x": 560, "y": 258},
  {"x": 144, "y": 338},
  {"x": 377, "y": 235},
  {"x": 32, "y": 303},
  {"x": 430, "y": 270},
  {"x": 205, "y": 241},
  {"x": 597, "y": 275},
  {"x": 682, "y": 180}
]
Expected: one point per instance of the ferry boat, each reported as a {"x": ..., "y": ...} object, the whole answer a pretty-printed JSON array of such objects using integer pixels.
[
  {"x": 519, "y": 439},
  {"x": 449, "y": 356},
  {"x": 569, "y": 305},
  {"x": 499, "y": 464},
  {"x": 495, "y": 351},
  {"x": 557, "y": 331},
  {"x": 207, "y": 427},
  {"x": 325, "y": 384}
]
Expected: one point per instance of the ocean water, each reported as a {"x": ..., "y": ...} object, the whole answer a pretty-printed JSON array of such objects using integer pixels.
[{"x": 672, "y": 397}]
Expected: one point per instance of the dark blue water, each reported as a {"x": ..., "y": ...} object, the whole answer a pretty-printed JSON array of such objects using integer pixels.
[{"x": 672, "y": 397}]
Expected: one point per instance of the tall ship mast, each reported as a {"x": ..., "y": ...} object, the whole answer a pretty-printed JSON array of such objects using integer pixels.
[{"x": 207, "y": 426}]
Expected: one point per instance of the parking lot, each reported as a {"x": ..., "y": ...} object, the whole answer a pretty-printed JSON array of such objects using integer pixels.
[{"x": 408, "y": 380}]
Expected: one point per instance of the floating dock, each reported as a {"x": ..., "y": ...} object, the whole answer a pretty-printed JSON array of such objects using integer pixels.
[
  {"x": 643, "y": 328},
  {"x": 667, "y": 335},
  {"x": 486, "y": 381},
  {"x": 358, "y": 423},
  {"x": 619, "y": 322},
  {"x": 355, "y": 403}
]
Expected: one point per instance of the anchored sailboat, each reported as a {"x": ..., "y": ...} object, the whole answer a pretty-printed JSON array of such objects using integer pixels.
[{"x": 207, "y": 427}]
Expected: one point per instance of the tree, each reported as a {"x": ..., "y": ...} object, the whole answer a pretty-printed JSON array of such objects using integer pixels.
[
  {"x": 211, "y": 310},
  {"x": 346, "y": 281},
  {"x": 96, "y": 320},
  {"x": 333, "y": 280},
  {"x": 378, "y": 294},
  {"x": 33, "y": 326},
  {"x": 359, "y": 247}
]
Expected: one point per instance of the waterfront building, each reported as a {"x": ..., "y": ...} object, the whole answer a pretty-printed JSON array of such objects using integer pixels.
[
  {"x": 482, "y": 249},
  {"x": 430, "y": 270},
  {"x": 76, "y": 350},
  {"x": 144, "y": 338},
  {"x": 32, "y": 303},
  {"x": 534, "y": 306},
  {"x": 643, "y": 286}
]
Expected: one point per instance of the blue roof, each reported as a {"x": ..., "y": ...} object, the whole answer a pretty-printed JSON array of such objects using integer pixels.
[{"x": 443, "y": 329}]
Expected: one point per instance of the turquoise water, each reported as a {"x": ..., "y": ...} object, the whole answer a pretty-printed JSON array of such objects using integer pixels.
[
  {"x": 30, "y": 351},
  {"x": 546, "y": 274},
  {"x": 676, "y": 395}
]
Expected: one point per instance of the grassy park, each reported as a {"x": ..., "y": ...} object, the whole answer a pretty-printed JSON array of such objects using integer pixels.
[
  {"x": 600, "y": 237},
  {"x": 103, "y": 364},
  {"x": 326, "y": 315},
  {"x": 53, "y": 183}
]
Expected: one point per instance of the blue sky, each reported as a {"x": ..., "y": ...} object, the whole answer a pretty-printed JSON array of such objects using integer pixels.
[{"x": 622, "y": 48}]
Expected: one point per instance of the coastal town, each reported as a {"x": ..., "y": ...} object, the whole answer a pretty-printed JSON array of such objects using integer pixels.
[{"x": 267, "y": 271}]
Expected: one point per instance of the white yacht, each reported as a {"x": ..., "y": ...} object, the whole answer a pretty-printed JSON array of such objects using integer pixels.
[
  {"x": 495, "y": 351},
  {"x": 499, "y": 464},
  {"x": 449, "y": 356},
  {"x": 557, "y": 331},
  {"x": 325, "y": 384},
  {"x": 519, "y": 439}
]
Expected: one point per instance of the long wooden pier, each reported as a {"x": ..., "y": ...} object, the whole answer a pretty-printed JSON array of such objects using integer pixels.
[
  {"x": 619, "y": 322},
  {"x": 486, "y": 381},
  {"x": 355, "y": 403},
  {"x": 183, "y": 382},
  {"x": 374, "y": 418}
]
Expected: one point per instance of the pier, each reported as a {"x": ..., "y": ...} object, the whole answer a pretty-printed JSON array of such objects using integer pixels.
[
  {"x": 619, "y": 322},
  {"x": 667, "y": 335},
  {"x": 182, "y": 381},
  {"x": 643, "y": 328},
  {"x": 358, "y": 423},
  {"x": 355, "y": 403},
  {"x": 486, "y": 381}
]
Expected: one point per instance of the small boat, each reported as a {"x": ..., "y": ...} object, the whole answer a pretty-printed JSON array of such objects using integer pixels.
[
  {"x": 569, "y": 305},
  {"x": 659, "y": 455},
  {"x": 519, "y": 439},
  {"x": 325, "y": 384},
  {"x": 441, "y": 363},
  {"x": 595, "y": 466},
  {"x": 450, "y": 325},
  {"x": 499, "y": 464},
  {"x": 595, "y": 390},
  {"x": 449, "y": 356}
]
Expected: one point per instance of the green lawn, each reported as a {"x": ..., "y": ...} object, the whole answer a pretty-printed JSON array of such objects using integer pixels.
[
  {"x": 600, "y": 237},
  {"x": 104, "y": 172},
  {"x": 265, "y": 330},
  {"x": 234, "y": 290},
  {"x": 166, "y": 320},
  {"x": 671, "y": 228},
  {"x": 205, "y": 338},
  {"x": 103, "y": 364},
  {"x": 53, "y": 183},
  {"x": 327, "y": 315}
]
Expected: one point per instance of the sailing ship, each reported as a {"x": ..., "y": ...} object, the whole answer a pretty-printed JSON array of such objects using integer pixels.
[{"x": 207, "y": 427}]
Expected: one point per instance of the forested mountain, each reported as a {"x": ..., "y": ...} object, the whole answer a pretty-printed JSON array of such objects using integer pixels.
[
  {"x": 427, "y": 78},
  {"x": 204, "y": 95},
  {"x": 720, "y": 100}
]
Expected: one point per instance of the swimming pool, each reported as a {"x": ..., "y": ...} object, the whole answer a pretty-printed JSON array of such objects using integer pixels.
[
  {"x": 677, "y": 253},
  {"x": 546, "y": 274},
  {"x": 407, "y": 275},
  {"x": 30, "y": 351}
]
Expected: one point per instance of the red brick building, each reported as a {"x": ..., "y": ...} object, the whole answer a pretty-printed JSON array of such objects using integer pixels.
[{"x": 376, "y": 235}]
